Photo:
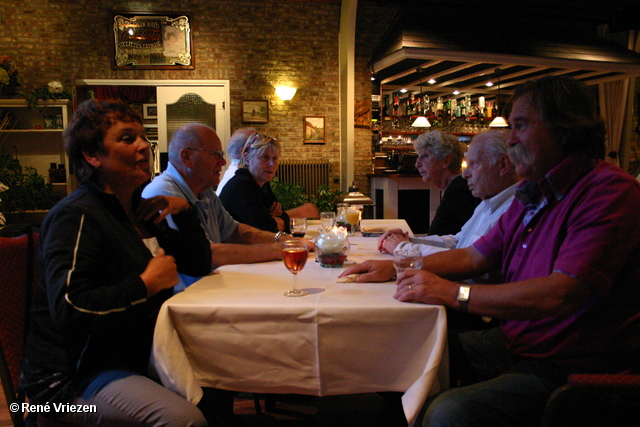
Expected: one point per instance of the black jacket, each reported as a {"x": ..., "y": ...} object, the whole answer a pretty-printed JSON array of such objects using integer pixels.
[
  {"x": 249, "y": 203},
  {"x": 91, "y": 312}
]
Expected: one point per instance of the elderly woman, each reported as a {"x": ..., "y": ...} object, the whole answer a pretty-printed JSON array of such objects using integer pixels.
[
  {"x": 248, "y": 196},
  {"x": 108, "y": 261},
  {"x": 440, "y": 162}
]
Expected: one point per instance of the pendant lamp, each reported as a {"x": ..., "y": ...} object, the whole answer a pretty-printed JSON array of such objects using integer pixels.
[
  {"x": 499, "y": 121},
  {"x": 420, "y": 121}
]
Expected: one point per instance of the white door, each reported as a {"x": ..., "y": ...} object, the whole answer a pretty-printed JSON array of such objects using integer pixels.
[{"x": 198, "y": 103}]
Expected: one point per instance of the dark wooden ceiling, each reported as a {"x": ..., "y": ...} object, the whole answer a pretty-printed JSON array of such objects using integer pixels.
[{"x": 463, "y": 44}]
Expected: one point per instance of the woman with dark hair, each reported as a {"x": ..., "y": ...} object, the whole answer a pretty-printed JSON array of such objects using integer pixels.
[{"x": 108, "y": 261}]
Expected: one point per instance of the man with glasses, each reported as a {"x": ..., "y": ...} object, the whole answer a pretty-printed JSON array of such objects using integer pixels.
[{"x": 195, "y": 162}]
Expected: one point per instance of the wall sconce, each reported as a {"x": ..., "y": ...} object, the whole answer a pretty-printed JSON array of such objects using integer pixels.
[{"x": 285, "y": 93}]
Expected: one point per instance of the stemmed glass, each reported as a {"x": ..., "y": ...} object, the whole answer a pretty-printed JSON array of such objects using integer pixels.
[
  {"x": 294, "y": 255},
  {"x": 406, "y": 259},
  {"x": 298, "y": 226},
  {"x": 353, "y": 217}
]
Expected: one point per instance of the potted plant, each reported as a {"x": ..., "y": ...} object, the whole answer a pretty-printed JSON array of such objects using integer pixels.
[
  {"x": 52, "y": 92},
  {"x": 291, "y": 195},
  {"x": 24, "y": 194}
]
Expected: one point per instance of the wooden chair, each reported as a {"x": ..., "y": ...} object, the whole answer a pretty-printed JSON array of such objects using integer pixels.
[
  {"x": 601, "y": 399},
  {"x": 18, "y": 279}
]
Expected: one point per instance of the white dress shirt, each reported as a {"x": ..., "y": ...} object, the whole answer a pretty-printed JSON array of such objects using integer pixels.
[
  {"x": 484, "y": 217},
  {"x": 228, "y": 174}
]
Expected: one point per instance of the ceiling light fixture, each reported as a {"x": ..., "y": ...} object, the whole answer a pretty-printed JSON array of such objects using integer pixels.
[{"x": 499, "y": 121}]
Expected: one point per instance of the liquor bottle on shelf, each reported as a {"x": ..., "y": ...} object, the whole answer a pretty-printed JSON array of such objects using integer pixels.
[
  {"x": 463, "y": 108},
  {"x": 396, "y": 104},
  {"x": 418, "y": 107},
  {"x": 385, "y": 111},
  {"x": 489, "y": 109},
  {"x": 439, "y": 107}
]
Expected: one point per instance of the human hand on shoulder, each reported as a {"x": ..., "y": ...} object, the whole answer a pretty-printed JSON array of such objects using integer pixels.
[{"x": 159, "y": 207}]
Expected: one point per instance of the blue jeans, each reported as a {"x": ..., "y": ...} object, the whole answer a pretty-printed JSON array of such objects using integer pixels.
[{"x": 511, "y": 393}]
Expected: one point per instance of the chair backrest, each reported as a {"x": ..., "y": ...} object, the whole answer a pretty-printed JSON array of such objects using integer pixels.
[{"x": 18, "y": 277}]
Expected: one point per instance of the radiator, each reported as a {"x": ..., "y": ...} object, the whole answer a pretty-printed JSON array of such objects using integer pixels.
[{"x": 307, "y": 173}]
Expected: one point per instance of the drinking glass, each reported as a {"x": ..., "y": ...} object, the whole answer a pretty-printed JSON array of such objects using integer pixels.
[
  {"x": 298, "y": 226},
  {"x": 406, "y": 259},
  {"x": 328, "y": 219},
  {"x": 353, "y": 217},
  {"x": 294, "y": 256}
]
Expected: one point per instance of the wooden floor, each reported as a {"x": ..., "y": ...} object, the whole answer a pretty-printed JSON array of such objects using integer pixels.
[{"x": 363, "y": 410}]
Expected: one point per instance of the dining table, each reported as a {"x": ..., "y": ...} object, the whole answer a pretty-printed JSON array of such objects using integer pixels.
[{"x": 236, "y": 330}]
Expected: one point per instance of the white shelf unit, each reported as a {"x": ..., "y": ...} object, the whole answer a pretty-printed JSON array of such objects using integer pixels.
[{"x": 27, "y": 134}]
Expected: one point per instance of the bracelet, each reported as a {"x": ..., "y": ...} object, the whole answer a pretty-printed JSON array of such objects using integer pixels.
[{"x": 278, "y": 235}]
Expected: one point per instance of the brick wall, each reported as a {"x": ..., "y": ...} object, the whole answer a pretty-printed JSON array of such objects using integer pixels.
[{"x": 253, "y": 44}]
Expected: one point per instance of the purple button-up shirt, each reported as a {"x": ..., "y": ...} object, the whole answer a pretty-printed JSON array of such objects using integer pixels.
[{"x": 583, "y": 220}]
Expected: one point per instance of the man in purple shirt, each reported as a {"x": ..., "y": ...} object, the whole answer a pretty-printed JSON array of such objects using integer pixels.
[{"x": 568, "y": 247}]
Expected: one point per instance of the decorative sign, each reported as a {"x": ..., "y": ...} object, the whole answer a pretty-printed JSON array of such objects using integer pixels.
[{"x": 151, "y": 41}]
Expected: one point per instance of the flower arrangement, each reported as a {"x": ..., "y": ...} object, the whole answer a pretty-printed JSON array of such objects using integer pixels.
[
  {"x": 52, "y": 91},
  {"x": 8, "y": 76}
]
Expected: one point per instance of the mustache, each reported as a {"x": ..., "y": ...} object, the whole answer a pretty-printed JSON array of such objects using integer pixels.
[{"x": 518, "y": 154}]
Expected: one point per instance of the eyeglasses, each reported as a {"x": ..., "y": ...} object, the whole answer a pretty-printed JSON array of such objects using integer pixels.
[
  {"x": 216, "y": 153},
  {"x": 257, "y": 141}
]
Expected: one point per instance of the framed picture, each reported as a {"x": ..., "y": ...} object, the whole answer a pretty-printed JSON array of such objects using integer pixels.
[
  {"x": 313, "y": 130},
  {"x": 255, "y": 111},
  {"x": 152, "y": 131},
  {"x": 149, "y": 40},
  {"x": 149, "y": 111}
]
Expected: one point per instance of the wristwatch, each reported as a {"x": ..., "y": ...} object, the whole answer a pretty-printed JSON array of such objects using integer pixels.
[
  {"x": 278, "y": 235},
  {"x": 463, "y": 297}
]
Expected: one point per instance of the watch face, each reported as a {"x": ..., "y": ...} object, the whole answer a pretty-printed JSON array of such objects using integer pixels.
[{"x": 463, "y": 293}]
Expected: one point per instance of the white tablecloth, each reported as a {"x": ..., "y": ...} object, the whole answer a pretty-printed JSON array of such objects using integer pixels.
[{"x": 236, "y": 330}]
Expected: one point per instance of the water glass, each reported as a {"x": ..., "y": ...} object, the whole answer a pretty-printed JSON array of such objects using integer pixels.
[
  {"x": 327, "y": 219},
  {"x": 406, "y": 259}
]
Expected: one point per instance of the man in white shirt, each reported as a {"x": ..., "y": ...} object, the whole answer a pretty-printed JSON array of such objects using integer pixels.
[{"x": 491, "y": 177}]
